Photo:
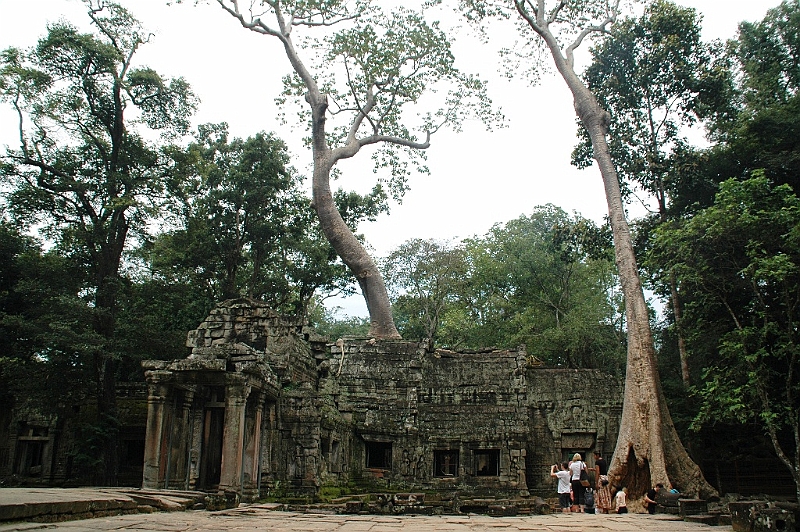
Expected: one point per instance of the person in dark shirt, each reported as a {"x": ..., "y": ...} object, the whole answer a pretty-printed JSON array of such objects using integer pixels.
[{"x": 650, "y": 498}]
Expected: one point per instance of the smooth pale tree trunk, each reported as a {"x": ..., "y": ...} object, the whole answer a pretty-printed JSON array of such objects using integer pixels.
[
  {"x": 648, "y": 450},
  {"x": 339, "y": 235},
  {"x": 344, "y": 242}
]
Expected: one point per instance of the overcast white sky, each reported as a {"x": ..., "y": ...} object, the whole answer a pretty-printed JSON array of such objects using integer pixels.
[{"x": 478, "y": 178}]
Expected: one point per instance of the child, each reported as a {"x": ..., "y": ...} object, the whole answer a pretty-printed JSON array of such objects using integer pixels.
[
  {"x": 621, "y": 499},
  {"x": 563, "y": 486}
]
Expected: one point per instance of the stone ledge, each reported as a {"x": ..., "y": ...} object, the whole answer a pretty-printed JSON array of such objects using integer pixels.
[{"x": 55, "y": 505}]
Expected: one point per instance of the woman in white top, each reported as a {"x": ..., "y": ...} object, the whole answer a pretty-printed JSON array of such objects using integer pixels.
[{"x": 578, "y": 491}]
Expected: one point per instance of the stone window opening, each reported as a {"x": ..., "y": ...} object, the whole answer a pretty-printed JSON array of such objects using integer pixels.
[
  {"x": 487, "y": 462},
  {"x": 335, "y": 457},
  {"x": 379, "y": 454},
  {"x": 445, "y": 463}
]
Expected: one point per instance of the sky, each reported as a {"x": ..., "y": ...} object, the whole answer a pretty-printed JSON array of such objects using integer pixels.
[{"x": 477, "y": 178}]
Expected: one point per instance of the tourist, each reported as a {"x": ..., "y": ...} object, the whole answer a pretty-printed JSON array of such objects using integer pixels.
[
  {"x": 621, "y": 499},
  {"x": 564, "y": 488},
  {"x": 650, "y": 498},
  {"x": 576, "y": 466},
  {"x": 603, "y": 486}
]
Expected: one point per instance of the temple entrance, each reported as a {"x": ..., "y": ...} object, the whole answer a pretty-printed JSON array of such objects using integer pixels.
[{"x": 211, "y": 445}]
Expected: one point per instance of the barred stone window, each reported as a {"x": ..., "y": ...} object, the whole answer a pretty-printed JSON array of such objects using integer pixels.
[
  {"x": 445, "y": 463},
  {"x": 379, "y": 454},
  {"x": 487, "y": 462}
]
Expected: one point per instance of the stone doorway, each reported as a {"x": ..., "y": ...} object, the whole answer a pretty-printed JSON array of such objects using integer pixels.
[{"x": 211, "y": 447}]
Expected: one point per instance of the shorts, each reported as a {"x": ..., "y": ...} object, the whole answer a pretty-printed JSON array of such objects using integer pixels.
[
  {"x": 564, "y": 500},
  {"x": 622, "y": 510}
]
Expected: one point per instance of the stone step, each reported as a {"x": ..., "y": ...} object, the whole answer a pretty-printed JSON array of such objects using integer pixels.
[
  {"x": 692, "y": 507},
  {"x": 705, "y": 519}
]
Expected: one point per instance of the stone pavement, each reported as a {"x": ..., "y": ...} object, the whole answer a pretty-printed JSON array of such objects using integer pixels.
[
  {"x": 258, "y": 517},
  {"x": 56, "y": 504}
]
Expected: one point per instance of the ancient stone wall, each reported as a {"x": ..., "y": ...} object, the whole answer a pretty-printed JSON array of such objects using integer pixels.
[
  {"x": 490, "y": 421},
  {"x": 571, "y": 411}
]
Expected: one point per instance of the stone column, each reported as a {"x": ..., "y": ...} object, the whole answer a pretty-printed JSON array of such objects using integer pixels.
[
  {"x": 252, "y": 454},
  {"x": 236, "y": 392},
  {"x": 154, "y": 455},
  {"x": 196, "y": 442}
]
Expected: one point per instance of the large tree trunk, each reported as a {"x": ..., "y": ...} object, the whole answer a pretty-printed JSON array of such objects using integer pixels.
[
  {"x": 341, "y": 237},
  {"x": 648, "y": 449},
  {"x": 105, "y": 367}
]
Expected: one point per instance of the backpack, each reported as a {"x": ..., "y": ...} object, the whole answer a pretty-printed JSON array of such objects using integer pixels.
[{"x": 588, "y": 498}]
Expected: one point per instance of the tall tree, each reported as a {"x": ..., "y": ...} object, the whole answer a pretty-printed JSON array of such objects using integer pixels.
[
  {"x": 246, "y": 227},
  {"x": 424, "y": 278},
  {"x": 741, "y": 260},
  {"x": 367, "y": 76},
  {"x": 767, "y": 53},
  {"x": 82, "y": 170},
  {"x": 648, "y": 447},
  {"x": 656, "y": 78},
  {"x": 40, "y": 319},
  {"x": 544, "y": 280}
]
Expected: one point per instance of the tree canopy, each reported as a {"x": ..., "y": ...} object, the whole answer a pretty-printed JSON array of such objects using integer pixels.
[
  {"x": 83, "y": 171},
  {"x": 366, "y": 74}
]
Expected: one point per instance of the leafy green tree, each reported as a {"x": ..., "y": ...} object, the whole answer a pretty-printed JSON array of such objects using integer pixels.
[
  {"x": 763, "y": 135},
  {"x": 741, "y": 261},
  {"x": 83, "y": 172},
  {"x": 328, "y": 322},
  {"x": 648, "y": 447},
  {"x": 46, "y": 329},
  {"x": 543, "y": 280},
  {"x": 246, "y": 225},
  {"x": 40, "y": 316},
  {"x": 546, "y": 281},
  {"x": 367, "y": 73},
  {"x": 767, "y": 53},
  {"x": 424, "y": 278},
  {"x": 762, "y": 132}
]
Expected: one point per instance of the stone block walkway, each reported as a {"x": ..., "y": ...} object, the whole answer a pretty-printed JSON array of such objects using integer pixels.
[{"x": 263, "y": 517}]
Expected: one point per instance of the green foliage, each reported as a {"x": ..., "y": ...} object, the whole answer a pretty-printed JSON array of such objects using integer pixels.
[
  {"x": 656, "y": 78},
  {"x": 45, "y": 327},
  {"x": 544, "y": 280},
  {"x": 246, "y": 226},
  {"x": 88, "y": 180},
  {"x": 740, "y": 262},
  {"x": 87, "y": 455},
  {"x": 425, "y": 279},
  {"x": 329, "y": 322},
  {"x": 380, "y": 71},
  {"x": 547, "y": 281},
  {"x": 767, "y": 53}
]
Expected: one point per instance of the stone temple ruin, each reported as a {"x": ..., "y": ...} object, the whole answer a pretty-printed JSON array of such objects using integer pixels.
[{"x": 262, "y": 406}]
